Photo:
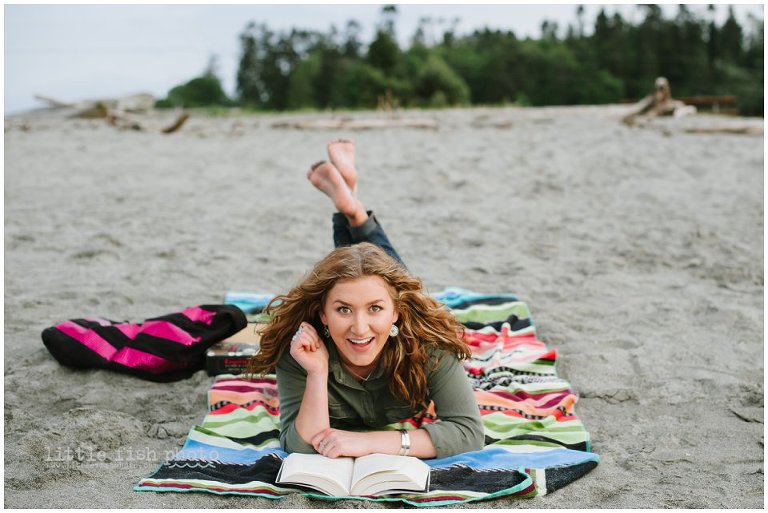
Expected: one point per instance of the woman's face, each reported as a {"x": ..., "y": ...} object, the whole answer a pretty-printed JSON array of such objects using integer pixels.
[{"x": 359, "y": 314}]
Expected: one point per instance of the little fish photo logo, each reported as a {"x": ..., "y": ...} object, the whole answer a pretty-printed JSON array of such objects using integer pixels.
[{"x": 68, "y": 457}]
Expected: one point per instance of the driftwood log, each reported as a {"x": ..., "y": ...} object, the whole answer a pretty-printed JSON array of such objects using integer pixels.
[
  {"x": 358, "y": 124},
  {"x": 134, "y": 103},
  {"x": 738, "y": 130}
]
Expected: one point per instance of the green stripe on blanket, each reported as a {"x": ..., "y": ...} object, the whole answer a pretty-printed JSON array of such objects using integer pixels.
[
  {"x": 490, "y": 313},
  {"x": 534, "y": 441}
]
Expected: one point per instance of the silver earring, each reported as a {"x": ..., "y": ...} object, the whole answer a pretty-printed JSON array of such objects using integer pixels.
[
  {"x": 394, "y": 330},
  {"x": 326, "y": 332}
]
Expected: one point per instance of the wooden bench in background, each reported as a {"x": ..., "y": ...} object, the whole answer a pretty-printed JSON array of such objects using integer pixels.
[
  {"x": 717, "y": 104},
  {"x": 725, "y": 105}
]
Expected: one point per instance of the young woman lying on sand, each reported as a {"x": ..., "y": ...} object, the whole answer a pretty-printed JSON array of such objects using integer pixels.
[{"x": 358, "y": 345}]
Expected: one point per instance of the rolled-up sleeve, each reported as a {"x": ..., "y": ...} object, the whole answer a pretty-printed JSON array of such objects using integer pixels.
[
  {"x": 459, "y": 427},
  {"x": 291, "y": 382}
]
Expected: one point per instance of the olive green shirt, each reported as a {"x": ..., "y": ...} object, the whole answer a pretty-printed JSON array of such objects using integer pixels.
[{"x": 367, "y": 406}]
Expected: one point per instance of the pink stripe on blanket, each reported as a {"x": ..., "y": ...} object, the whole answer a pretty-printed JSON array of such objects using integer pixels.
[
  {"x": 169, "y": 331},
  {"x": 245, "y": 392},
  {"x": 88, "y": 338},
  {"x": 233, "y": 388},
  {"x": 147, "y": 362},
  {"x": 159, "y": 329},
  {"x": 481, "y": 341},
  {"x": 252, "y": 382},
  {"x": 548, "y": 400},
  {"x": 195, "y": 313},
  {"x": 129, "y": 330},
  {"x": 540, "y": 398},
  {"x": 127, "y": 356}
]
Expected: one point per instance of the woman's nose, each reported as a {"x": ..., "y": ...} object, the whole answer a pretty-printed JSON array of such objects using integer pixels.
[{"x": 359, "y": 324}]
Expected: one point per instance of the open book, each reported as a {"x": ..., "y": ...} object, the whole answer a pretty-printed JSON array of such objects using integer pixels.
[{"x": 375, "y": 474}]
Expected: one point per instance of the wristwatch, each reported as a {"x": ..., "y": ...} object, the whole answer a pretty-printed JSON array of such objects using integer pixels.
[{"x": 405, "y": 443}]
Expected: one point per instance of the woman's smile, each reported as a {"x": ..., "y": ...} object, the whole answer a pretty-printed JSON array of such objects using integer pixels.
[{"x": 364, "y": 342}]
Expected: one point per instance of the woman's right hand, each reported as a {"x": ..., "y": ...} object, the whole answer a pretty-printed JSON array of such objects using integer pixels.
[{"x": 308, "y": 349}]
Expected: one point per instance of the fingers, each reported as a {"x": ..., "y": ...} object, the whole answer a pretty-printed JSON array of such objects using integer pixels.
[
  {"x": 318, "y": 439},
  {"x": 308, "y": 349},
  {"x": 329, "y": 449},
  {"x": 325, "y": 443},
  {"x": 306, "y": 338}
]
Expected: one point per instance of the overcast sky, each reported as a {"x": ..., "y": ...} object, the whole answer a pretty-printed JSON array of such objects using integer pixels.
[{"x": 74, "y": 52}]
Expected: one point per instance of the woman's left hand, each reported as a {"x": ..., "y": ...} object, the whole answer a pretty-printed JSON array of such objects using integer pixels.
[{"x": 335, "y": 443}]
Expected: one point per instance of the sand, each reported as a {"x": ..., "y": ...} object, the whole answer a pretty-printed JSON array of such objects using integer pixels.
[{"x": 638, "y": 249}]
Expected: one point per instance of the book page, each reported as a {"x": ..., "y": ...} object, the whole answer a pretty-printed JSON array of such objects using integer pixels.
[
  {"x": 380, "y": 472},
  {"x": 329, "y": 475}
]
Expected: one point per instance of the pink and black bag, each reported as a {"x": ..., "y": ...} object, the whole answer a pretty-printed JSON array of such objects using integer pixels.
[{"x": 167, "y": 348}]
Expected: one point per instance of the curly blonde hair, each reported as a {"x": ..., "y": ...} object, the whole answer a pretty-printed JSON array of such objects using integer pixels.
[{"x": 423, "y": 322}]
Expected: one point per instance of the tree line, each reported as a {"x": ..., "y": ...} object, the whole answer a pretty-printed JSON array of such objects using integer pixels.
[{"x": 617, "y": 60}]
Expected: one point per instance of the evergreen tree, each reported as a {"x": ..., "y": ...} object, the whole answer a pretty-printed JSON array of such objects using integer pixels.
[
  {"x": 327, "y": 80},
  {"x": 383, "y": 52},
  {"x": 731, "y": 39},
  {"x": 713, "y": 49},
  {"x": 352, "y": 40},
  {"x": 249, "y": 86},
  {"x": 388, "y": 19}
]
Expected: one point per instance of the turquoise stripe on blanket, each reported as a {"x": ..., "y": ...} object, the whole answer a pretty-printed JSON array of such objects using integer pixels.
[
  {"x": 250, "y": 303},
  {"x": 535, "y": 444},
  {"x": 199, "y": 450},
  {"x": 452, "y": 296}
]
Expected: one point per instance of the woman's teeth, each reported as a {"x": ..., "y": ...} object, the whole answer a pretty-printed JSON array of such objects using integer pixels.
[{"x": 360, "y": 341}]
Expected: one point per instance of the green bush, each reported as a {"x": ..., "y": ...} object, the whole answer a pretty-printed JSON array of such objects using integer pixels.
[
  {"x": 438, "y": 85},
  {"x": 746, "y": 85},
  {"x": 205, "y": 91},
  {"x": 300, "y": 90},
  {"x": 751, "y": 98},
  {"x": 364, "y": 84}
]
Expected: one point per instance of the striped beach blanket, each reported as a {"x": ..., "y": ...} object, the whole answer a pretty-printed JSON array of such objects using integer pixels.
[{"x": 535, "y": 444}]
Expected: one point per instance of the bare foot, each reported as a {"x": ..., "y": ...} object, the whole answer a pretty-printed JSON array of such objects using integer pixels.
[
  {"x": 328, "y": 179},
  {"x": 342, "y": 155}
]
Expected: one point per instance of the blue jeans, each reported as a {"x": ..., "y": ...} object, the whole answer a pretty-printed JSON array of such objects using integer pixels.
[{"x": 370, "y": 231}]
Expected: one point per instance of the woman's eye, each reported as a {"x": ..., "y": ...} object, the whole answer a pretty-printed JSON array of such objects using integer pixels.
[
  {"x": 343, "y": 309},
  {"x": 376, "y": 308}
]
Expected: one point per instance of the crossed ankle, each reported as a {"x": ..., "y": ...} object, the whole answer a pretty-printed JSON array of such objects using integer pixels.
[{"x": 357, "y": 218}]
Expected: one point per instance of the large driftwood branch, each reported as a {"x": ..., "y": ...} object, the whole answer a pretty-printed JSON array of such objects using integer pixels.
[
  {"x": 177, "y": 124},
  {"x": 658, "y": 103}
]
